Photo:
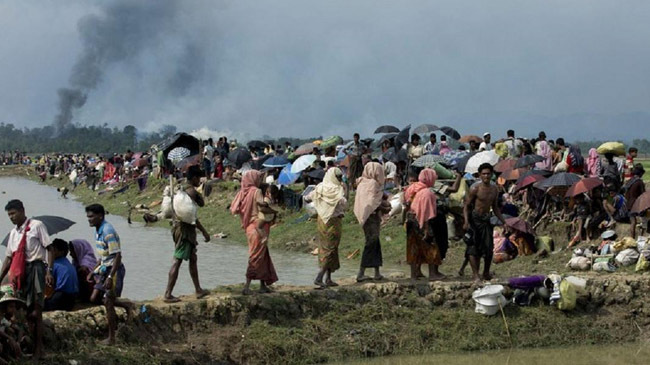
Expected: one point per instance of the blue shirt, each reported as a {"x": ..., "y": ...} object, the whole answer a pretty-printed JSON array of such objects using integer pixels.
[
  {"x": 107, "y": 243},
  {"x": 66, "y": 276}
]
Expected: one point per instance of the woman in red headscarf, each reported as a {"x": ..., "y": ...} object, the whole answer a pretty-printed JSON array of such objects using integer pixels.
[
  {"x": 421, "y": 247},
  {"x": 247, "y": 204}
]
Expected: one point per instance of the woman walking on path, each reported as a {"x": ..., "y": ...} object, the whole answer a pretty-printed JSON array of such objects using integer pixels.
[
  {"x": 247, "y": 204},
  {"x": 330, "y": 203},
  {"x": 370, "y": 204},
  {"x": 421, "y": 245}
]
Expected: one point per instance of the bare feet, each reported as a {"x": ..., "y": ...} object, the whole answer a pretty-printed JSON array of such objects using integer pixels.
[
  {"x": 488, "y": 276},
  {"x": 331, "y": 283},
  {"x": 378, "y": 278},
  {"x": 171, "y": 299},
  {"x": 202, "y": 293},
  {"x": 478, "y": 281},
  {"x": 461, "y": 273},
  {"x": 265, "y": 289},
  {"x": 319, "y": 284},
  {"x": 437, "y": 277},
  {"x": 246, "y": 291},
  {"x": 363, "y": 278}
]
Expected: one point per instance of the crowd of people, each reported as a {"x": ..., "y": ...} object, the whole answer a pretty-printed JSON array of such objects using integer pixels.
[{"x": 430, "y": 184}]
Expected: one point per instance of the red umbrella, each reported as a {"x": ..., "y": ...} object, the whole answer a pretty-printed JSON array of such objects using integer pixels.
[
  {"x": 583, "y": 186},
  {"x": 642, "y": 203},
  {"x": 505, "y": 165},
  {"x": 528, "y": 180},
  {"x": 520, "y": 225},
  {"x": 513, "y": 174}
]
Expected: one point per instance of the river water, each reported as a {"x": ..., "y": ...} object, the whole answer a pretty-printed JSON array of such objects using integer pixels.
[
  {"x": 638, "y": 353},
  {"x": 147, "y": 251}
]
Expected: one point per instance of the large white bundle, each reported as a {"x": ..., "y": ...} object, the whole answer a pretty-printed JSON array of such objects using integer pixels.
[
  {"x": 185, "y": 208},
  {"x": 165, "y": 208},
  {"x": 73, "y": 176},
  {"x": 396, "y": 204},
  {"x": 627, "y": 257}
]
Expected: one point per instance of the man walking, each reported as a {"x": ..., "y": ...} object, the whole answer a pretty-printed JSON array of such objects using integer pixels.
[
  {"x": 482, "y": 199},
  {"x": 184, "y": 235},
  {"x": 25, "y": 262},
  {"x": 109, "y": 274}
]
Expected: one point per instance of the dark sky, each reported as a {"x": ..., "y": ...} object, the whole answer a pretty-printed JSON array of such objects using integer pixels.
[{"x": 580, "y": 69}]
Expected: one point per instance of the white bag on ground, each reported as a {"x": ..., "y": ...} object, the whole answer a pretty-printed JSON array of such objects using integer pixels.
[
  {"x": 488, "y": 299},
  {"x": 627, "y": 257},
  {"x": 579, "y": 263},
  {"x": 185, "y": 208}
]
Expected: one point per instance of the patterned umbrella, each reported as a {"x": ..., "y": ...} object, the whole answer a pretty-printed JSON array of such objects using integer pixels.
[
  {"x": 583, "y": 186},
  {"x": 178, "y": 154},
  {"x": 428, "y": 161}
]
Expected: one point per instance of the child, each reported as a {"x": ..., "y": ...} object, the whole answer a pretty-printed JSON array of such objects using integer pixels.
[
  {"x": 13, "y": 334},
  {"x": 267, "y": 211}
]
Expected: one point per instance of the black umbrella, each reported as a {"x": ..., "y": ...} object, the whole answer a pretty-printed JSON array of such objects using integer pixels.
[
  {"x": 426, "y": 128},
  {"x": 460, "y": 165},
  {"x": 257, "y": 144},
  {"x": 387, "y": 129},
  {"x": 403, "y": 137},
  {"x": 239, "y": 156},
  {"x": 394, "y": 156},
  {"x": 544, "y": 173},
  {"x": 386, "y": 137},
  {"x": 53, "y": 225},
  {"x": 258, "y": 164},
  {"x": 528, "y": 160},
  {"x": 317, "y": 174},
  {"x": 367, "y": 141},
  {"x": 559, "y": 179},
  {"x": 451, "y": 132}
]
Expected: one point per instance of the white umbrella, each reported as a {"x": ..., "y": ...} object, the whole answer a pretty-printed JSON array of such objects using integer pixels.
[
  {"x": 302, "y": 163},
  {"x": 480, "y": 158}
]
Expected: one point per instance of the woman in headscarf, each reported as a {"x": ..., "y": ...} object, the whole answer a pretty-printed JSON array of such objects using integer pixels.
[
  {"x": 247, "y": 204},
  {"x": 370, "y": 204},
  {"x": 544, "y": 150},
  {"x": 330, "y": 203},
  {"x": 84, "y": 260},
  {"x": 593, "y": 164},
  {"x": 421, "y": 245}
]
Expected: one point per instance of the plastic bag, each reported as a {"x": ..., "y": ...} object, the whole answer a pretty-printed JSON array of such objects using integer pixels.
[
  {"x": 185, "y": 208},
  {"x": 456, "y": 199},
  {"x": 579, "y": 263},
  {"x": 627, "y": 257},
  {"x": 643, "y": 264},
  {"x": 568, "y": 296},
  {"x": 396, "y": 204},
  {"x": 617, "y": 148}
]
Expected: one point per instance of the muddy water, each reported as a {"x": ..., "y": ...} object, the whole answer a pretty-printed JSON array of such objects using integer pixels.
[
  {"x": 147, "y": 251},
  {"x": 638, "y": 353}
]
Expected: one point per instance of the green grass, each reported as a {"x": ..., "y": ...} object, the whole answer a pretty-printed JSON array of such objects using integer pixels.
[{"x": 646, "y": 166}]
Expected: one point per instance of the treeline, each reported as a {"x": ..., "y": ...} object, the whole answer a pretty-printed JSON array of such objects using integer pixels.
[{"x": 79, "y": 139}]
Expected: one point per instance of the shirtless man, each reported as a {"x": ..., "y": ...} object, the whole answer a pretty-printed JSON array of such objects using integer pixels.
[{"x": 481, "y": 199}]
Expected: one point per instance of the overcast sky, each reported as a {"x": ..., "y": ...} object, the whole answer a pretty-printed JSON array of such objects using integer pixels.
[{"x": 305, "y": 68}]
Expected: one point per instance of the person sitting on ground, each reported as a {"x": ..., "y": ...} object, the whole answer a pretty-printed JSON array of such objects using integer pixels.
[
  {"x": 615, "y": 206},
  {"x": 66, "y": 285},
  {"x": 13, "y": 333},
  {"x": 84, "y": 261},
  {"x": 267, "y": 216}
]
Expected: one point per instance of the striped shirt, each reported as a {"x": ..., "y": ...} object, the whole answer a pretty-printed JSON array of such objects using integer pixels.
[{"x": 107, "y": 244}]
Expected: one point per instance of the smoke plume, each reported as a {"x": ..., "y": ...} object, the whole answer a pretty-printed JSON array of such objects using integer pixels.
[{"x": 121, "y": 32}]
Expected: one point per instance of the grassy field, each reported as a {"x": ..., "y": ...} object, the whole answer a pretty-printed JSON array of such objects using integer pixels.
[{"x": 646, "y": 166}]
